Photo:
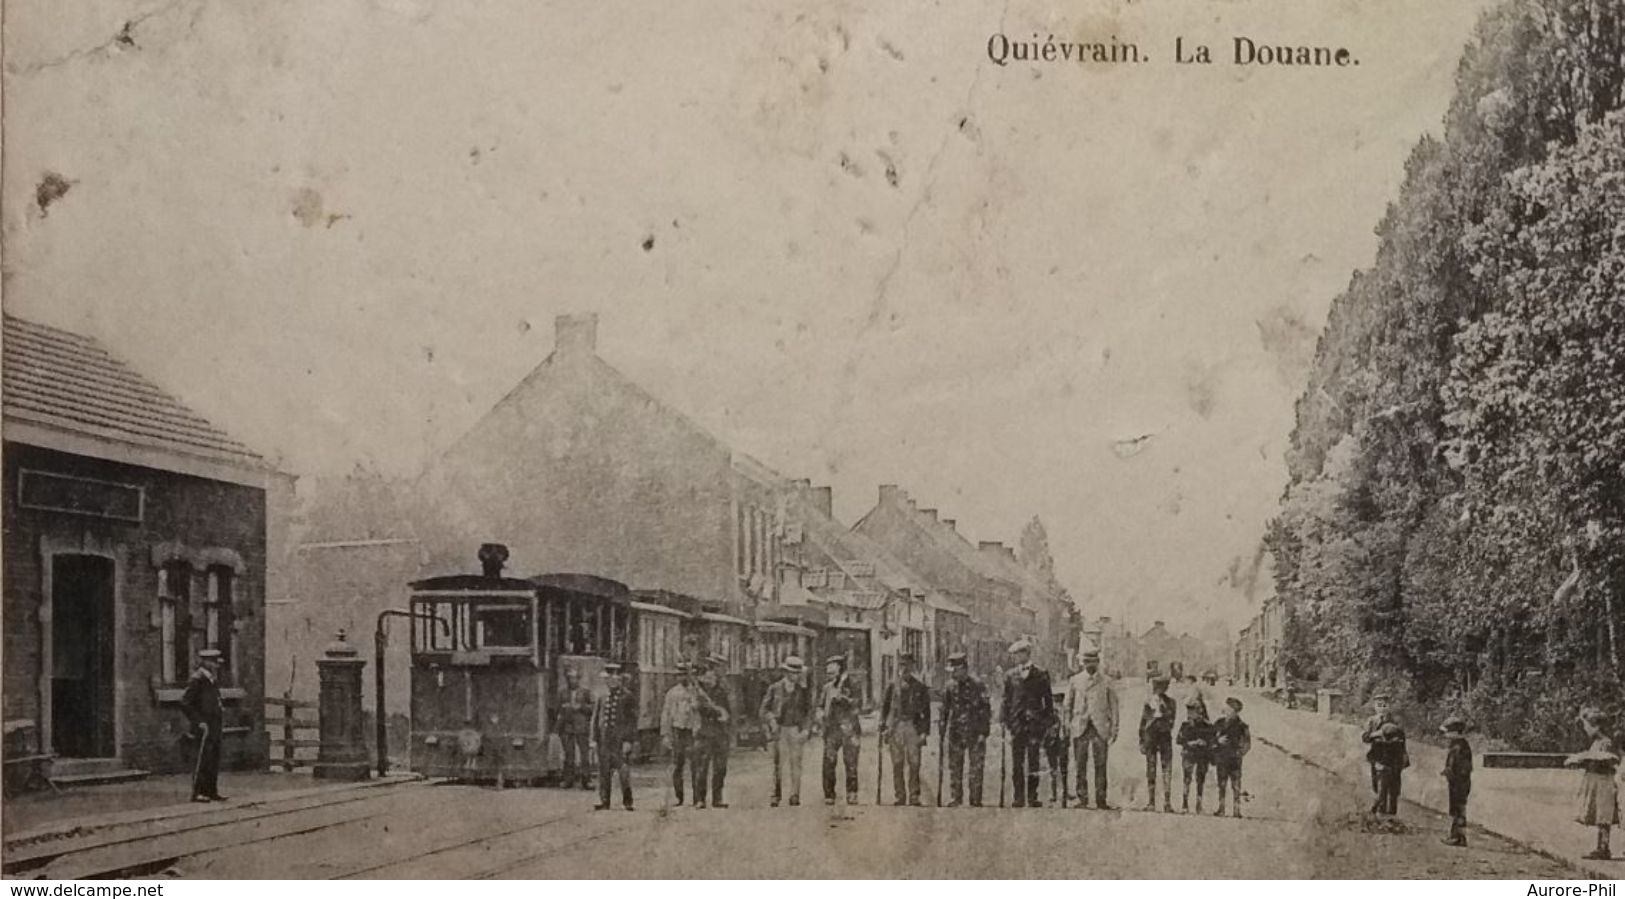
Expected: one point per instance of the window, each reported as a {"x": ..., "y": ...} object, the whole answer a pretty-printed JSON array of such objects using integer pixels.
[
  {"x": 217, "y": 612},
  {"x": 175, "y": 620},
  {"x": 502, "y": 626}
]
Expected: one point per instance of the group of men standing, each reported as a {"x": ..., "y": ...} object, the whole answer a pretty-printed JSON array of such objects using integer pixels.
[{"x": 1077, "y": 721}]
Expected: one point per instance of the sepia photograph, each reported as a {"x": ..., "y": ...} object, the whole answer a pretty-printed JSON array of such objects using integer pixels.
[{"x": 1138, "y": 440}]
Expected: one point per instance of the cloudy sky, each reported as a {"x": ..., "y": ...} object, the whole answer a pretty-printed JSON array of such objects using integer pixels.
[{"x": 832, "y": 232}]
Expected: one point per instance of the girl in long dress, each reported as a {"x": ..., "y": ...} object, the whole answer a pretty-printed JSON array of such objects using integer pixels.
[{"x": 1599, "y": 795}]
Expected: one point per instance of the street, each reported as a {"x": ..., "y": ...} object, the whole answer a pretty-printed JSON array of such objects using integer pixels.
[{"x": 1300, "y": 822}]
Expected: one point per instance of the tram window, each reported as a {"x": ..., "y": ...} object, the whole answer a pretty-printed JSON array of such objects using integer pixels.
[
  {"x": 502, "y": 626},
  {"x": 440, "y": 634}
]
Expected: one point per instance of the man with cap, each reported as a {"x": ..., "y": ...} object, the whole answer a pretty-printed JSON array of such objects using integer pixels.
[
  {"x": 786, "y": 713},
  {"x": 839, "y": 723},
  {"x": 205, "y": 720},
  {"x": 613, "y": 727},
  {"x": 679, "y": 721},
  {"x": 1157, "y": 742},
  {"x": 1371, "y": 735},
  {"x": 966, "y": 719},
  {"x": 1029, "y": 712},
  {"x": 1458, "y": 777},
  {"x": 575, "y": 719},
  {"x": 714, "y": 739},
  {"x": 1092, "y": 719},
  {"x": 905, "y": 717}
]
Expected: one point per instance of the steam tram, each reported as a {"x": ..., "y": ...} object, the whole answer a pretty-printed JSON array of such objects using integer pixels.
[{"x": 489, "y": 655}]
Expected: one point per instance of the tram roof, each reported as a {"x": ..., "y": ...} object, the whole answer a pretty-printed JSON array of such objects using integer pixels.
[
  {"x": 473, "y": 583},
  {"x": 590, "y": 584}
]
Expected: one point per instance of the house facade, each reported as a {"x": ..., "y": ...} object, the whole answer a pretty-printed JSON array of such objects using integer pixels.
[{"x": 136, "y": 535}]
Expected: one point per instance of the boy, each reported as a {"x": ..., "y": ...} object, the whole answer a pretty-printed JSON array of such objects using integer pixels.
[
  {"x": 1157, "y": 743},
  {"x": 1369, "y": 735},
  {"x": 1389, "y": 758},
  {"x": 1458, "y": 777},
  {"x": 1196, "y": 737},
  {"x": 1232, "y": 740}
]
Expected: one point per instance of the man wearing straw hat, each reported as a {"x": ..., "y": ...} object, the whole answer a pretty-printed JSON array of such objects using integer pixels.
[
  {"x": 204, "y": 714},
  {"x": 786, "y": 712},
  {"x": 1092, "y": 716}
]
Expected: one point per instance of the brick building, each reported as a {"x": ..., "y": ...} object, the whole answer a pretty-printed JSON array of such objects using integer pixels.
[
  {"x": 579, "y": 469},
  {"x": 136, "y": 534}
]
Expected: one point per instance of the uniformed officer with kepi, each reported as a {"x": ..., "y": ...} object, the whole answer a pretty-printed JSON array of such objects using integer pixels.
[
  {"x": 205, "y": 718},
  {"x": 966, "y": 718}
]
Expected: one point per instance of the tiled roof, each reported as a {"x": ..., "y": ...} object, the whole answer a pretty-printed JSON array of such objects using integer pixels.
[{"x": 64, "y": 380}]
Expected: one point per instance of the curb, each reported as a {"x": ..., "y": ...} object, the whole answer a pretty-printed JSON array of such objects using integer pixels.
[{"x": 1578, "y": 864}]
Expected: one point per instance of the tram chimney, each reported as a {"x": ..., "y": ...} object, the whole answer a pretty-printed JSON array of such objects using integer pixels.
[{"x": 492, "y": 557}]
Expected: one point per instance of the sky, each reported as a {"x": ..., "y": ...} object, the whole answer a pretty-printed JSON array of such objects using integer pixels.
[{"x": 833, "y": 233}]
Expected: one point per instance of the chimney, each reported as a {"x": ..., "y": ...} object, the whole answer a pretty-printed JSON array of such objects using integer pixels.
[
  {"x": 988, "y": 545},
  {"x": 823, "y": 498},
  {"x": 952, "y": 524},
  {"x": 576, "y": 334},
  {"x": 1158, "y": 623},
  {"x": 889, "y": 493},
  {"x": 929, "y": 513},
  {"x": 492, "y": 557}
]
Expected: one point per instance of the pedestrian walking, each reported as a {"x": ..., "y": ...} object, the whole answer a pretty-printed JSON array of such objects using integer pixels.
[
  {"x": 787, "y": 713},
  {"x": 679, "y": 722},
  {"x": 1599, "y": 795},
  {"x": 714, "y": 739},
  {"x": 1381, "y": 714},
  {"x": 1233, "y": 740},
  {"x": 205, "y": 720},
  {"x": 905, "y": 721},
  {"x": 613, "y": 727},
  {"x": 1029, "y": 712},
  {"x": 1157, "y": 743},
  {"x": 967, "y": 716},
  {"x": 575, "y": 725},
  {"x": 1092, "y": 720},
  {"x": 1458, "y": 777},
  {"x": 838, "y": 722}
]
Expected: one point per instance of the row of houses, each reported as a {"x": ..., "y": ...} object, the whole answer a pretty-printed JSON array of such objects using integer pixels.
[
  {"x": 579, "y": 469},
  {"x": 1258, "y": 648},
  {"x": 138, "y": 533},
  {"x": 1157, "y": 649}
]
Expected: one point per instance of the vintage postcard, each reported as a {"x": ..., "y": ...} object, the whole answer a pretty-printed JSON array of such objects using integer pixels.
[{"x": 1134, "y": 439}]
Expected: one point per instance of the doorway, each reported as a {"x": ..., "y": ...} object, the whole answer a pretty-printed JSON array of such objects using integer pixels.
[{"x": 82, "y": 659}]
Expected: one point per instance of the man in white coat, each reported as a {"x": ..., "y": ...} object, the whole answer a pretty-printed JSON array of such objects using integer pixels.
[{"x": 1091, "y": 716}]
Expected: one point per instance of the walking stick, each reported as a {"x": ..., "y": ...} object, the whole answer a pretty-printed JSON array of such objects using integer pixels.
[
  {"x": 1004, "y": 737},
  {"x": 880, "y": 762},
  {"x": 197, "y": 766},
  {"x": 942, "y": 733}
]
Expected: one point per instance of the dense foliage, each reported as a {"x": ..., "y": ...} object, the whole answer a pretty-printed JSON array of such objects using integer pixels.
[{"x": 1454, "y": 525}]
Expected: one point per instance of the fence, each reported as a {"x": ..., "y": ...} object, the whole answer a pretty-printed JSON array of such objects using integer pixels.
[{"x": 294, "y": 730}]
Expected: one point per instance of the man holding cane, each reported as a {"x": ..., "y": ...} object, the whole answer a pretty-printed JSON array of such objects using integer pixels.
[{"x": 201, "y": 703}]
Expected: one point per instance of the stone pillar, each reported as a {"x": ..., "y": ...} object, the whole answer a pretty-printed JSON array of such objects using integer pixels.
[{"x": 343, "y": 753}]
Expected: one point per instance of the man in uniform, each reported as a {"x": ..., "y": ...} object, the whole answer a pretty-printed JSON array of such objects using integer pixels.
[
  {"x": 714, "y": 740},
  {"x": 613, "y": 726},
  {"x": 1092, "y": 717},
  {"x": 575, "y": 722},
  {"x": 1029, "y": 712},
  {"x": 679, "y": 721},
  {"x": 966, "y": 718},
  {"x": 787, "y": 712},
  {"x": 839, "y": 723},
  {"x": 905, "y": 716},
  {"x": 205, "y": 718}
]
